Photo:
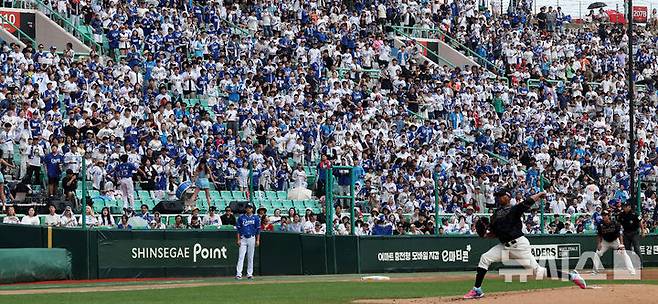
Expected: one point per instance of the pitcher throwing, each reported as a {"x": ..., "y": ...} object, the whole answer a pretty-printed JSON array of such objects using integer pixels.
[{"x": 505, "y": 225}]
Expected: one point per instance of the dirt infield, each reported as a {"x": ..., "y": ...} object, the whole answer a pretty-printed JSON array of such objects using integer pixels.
[{"x": 605, "y": 294}]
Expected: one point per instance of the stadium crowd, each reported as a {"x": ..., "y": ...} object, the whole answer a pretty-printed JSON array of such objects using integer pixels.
[{"x": 205, "y": 91}]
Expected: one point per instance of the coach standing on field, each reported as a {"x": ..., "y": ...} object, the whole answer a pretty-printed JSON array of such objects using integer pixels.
[
  {"x": 248, "y": 226},
  {"x": 630, "y": 221}
]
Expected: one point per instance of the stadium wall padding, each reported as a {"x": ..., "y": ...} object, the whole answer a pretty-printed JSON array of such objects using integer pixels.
[
  {"x": 34, "y": 264},
  {"x": 175, "y": 253}
]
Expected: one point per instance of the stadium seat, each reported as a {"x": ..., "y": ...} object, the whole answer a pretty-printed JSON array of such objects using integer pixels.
[
  {"x": 239, "y": 195},
  {"x": 259, "y": 195},
  {"x": 282, "y": 195},
  {"x": 143, "y": 194},
  {"x": 271, "y": 195},
  {"x": 226, "y": 195}
]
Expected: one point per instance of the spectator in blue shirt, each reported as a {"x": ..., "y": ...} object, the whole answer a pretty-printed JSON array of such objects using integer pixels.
[{"x": 53, "y": 162}]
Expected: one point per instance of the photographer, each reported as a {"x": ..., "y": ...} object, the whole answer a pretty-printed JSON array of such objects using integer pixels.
[{"x": 70, "y": 183}]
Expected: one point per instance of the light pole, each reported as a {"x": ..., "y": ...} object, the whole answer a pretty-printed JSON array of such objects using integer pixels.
[{"x": 631, "y": 101}]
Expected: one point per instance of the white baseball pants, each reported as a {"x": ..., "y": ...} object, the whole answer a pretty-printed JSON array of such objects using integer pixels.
[
  {"x": 247, "y": 246},
  {"x": 605, "y": 245},
  {"x": 519, "y": 252},
  {"x": 127, "y": 187}
]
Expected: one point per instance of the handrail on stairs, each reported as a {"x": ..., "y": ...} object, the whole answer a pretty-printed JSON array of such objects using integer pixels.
[
  {"x": 67, "y": 25},
  {"x": 490, "y": 65},
  {"x": 405, "y": 35}
]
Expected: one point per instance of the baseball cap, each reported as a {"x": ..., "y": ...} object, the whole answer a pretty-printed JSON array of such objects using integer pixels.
[
  {"x": 249, "y": 205},
  {"x": 502, "y": 192},
  {"x": 605, "y": 212}
]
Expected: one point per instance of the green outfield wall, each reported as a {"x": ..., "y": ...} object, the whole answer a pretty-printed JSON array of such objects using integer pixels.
[{"x": 176, "y": 253}]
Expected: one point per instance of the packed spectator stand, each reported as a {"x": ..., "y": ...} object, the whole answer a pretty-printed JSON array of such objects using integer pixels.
[{"x": 269, "y": 95}]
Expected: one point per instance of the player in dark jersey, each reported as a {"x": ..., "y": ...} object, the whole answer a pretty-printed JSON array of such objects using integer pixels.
[
  {"x": 609, "y": 236},
  {"x": 505, "y": 225}
]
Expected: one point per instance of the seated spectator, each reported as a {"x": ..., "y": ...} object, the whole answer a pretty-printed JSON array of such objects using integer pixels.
[
  {"x": 123, "y": 224},
  {"x": 11, "y": 217},
  {"x": 228, "y": 218},
  {"x": 195, "y": 222},
  {"x": 309, "y": 225},
  {"x": 52, "y": 218},
  {"x": 265, "y": 224},
  {"x": 296, "y": 224},
  {"x": 90, "y": 218},
  {"x": 145, "y": 213},
  {"x": 129, "y": 212},
  {"x": 70, "y": 184},
  {"x": 68, "y": 219},
  {"x": 31, "y": 218},
  {"x": 568, "y": 229},
  {"x": 319, "y": 228},
  {"x": 212, "y": 219},
  {"x": 413, "y": 230},
  {"x": 285, "y": 221},
  {"x": 105, "y": 219},
  {"x": 276, "y": 218},
  {"x": 382, "y": 227},
  {"x": 178, "y": 222},
  {"x": 157, "y": 223}
]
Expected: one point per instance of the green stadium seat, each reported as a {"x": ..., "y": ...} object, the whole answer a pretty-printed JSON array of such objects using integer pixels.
[
  {"x": 202, "y": 205},
  {"x": 143, "y": 194},
  {"x": 227, "y": 227},
  {"x": 259, "y": 195},
  {"x": 299, "y": 205},
  {"x": 282, "y": 195},
  {"x": 215, "y": 195},
  {"x": 286, "y": 204},
  {"x": 226, "y": 195},
  {"x": 239, "y": 195},
  {"x": 271, "y": 195}
]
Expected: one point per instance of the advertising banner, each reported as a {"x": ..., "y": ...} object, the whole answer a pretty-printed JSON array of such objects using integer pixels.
[
  {"x": 170, "y": 253},
  {"x": 21, "y": 20}
]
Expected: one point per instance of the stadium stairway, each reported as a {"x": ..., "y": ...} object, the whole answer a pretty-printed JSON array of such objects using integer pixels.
[
  {"x": 442, "y": 49},
  {"x": 52, "y": 29}
]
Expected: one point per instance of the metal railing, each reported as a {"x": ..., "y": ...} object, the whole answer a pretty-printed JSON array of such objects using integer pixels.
[
  {"x": 428, "y": 50},
  {"x": 64, "y": 22},
  {"x": 236, "y": 28},
  {"x": 436, "y": 33},
  {"x": 373, "y": 73},
  {"x": 533, "y": 83}
]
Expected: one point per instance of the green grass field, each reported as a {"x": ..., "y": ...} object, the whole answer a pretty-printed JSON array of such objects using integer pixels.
[{"x": 300, "y": 289}]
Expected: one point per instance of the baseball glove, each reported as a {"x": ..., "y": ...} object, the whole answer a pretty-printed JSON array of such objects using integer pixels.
[{"x": 482, "y": 226}]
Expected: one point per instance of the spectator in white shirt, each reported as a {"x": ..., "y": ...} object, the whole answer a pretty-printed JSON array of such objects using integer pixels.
[
  {"x": 52, "y": 219},
  {"x": 68, "y": 219},
  {"x": 11, "y": 217},
  {"x": 31, "y": 218},
  {"x": 212, "y": 219},
  {"x": 105, "y": 219}
]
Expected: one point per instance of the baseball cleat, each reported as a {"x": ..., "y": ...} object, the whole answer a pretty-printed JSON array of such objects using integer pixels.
[
  {"x": 250, "y": 278},
  {"x": 238, "y": 277},
  {"x": 474, "y": 293},
  {"x": 577, "y": 279}
]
